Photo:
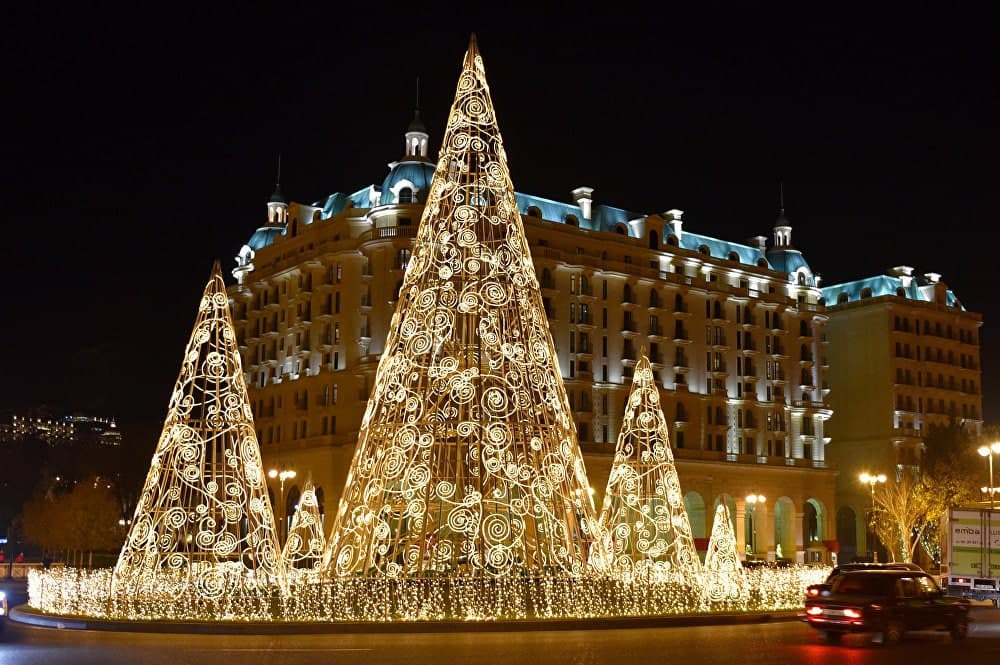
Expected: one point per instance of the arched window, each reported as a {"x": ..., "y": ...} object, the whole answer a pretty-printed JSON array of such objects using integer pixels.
[
  {"x": 572, "y": 220},
  {"x": 703, "y": 249},
  {"x": 901, "y": 292},
  {"x": 761, "y": 263},
  {"x": 866, "y": 292},
  {"x": 802, "y": 279},
  {"x": 733, "y": 256},
  {"x": 672, "y": 240},
  {"x": 621, "y": 229},
  {"x": 533, "y": 211},
  {"x": 841, "y": 298},
  {"x": 654, "y": 240},
  {"x": 406, "y": 195}
]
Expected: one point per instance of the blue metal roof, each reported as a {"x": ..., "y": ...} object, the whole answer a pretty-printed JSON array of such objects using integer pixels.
[
  {"x": 418, "y": 173},
  {"x": 264, "y": 236},
  {"x": 720, "y": 249},
  {"x": 884, "y": 285}
]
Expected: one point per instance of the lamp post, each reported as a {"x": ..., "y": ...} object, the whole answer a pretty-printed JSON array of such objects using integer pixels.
[
  {"x": 752, "y": 501},
  {"x": 988, "y": 452},
  {"x": 872, "y": 480},
  {"x": 282, "y": 476}
]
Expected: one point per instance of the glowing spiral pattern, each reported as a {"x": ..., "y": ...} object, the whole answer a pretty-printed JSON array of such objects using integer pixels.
[
  {"x": 306, "y": 540},
  {"x": 643, "y": 521},
  {"x": 184, "y": 527},
  {"x": 467, "y": 456}
]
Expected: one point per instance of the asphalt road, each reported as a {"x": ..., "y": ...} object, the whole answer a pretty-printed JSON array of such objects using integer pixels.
[{"x": 780, "y": 643}]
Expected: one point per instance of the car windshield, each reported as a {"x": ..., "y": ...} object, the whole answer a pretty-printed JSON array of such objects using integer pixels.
[{"x": 865, "y": 585}]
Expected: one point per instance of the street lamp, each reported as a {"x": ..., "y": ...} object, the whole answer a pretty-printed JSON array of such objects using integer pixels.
[
  {"x": 282, "y": 476},
  {"x": 752, "y": 501},
  {"x": 988, "y": 452},
  {"x": 872, "y": 480}
]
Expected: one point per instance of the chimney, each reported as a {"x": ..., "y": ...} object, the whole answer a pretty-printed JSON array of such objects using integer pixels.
[
  {"x": 673, "y": 218},
  {"x": 581, "y": 196}
]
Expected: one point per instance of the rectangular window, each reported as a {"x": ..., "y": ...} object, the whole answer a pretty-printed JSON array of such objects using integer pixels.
[
  {"x": 604, "y": 346},
  {"x": 604, "y": 316},
  {"x": 604, "y": 373},
  {"x": 604, "y": 290},
  {"x": 336, "y": 302}
]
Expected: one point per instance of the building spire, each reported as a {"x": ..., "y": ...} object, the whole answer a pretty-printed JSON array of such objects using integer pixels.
[
  {"x": 782, "y": 226},
  {"x": 781, "y": 199},
  {"x": 277, "y": 196},
  {"x": 416, "y": 134}
]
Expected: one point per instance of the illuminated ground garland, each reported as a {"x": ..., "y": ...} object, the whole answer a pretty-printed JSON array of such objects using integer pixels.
[
  {"x": 306, "y": 542},
  {"x": 644, "y": 526},
  {"x": 203, "y": 519},
  {"x": 467, "y": 463},
  {"x": 71, "y": 592}
]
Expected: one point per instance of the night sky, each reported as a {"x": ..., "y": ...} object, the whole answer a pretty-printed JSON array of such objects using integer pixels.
[{"x": 140, "y": 148}]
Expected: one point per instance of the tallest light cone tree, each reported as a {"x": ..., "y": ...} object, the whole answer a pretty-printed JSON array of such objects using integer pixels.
[{"x": 467, "y": 463}]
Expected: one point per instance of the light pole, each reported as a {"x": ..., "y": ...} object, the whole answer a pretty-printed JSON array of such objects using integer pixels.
[
  {"x": 988, "y": 452},
  {"x": 752, "y": 501},
  {"x": 872, "y": 480},
  {"x": 282, "y": 476}
]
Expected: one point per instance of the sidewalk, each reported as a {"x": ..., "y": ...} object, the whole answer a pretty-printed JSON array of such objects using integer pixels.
[{"x": 28, "y": 616}]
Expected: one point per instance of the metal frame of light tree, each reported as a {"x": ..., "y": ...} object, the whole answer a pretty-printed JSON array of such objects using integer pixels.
[
  {"x": 644, "y": 525},
  {"x": 306, "y": 542},
  {"x": 467, "y": 463},
  {"x": 724, "y": 572},
  {"x": 203, "y": 523}
]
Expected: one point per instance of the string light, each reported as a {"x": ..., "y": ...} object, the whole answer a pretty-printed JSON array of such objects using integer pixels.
[
  {"x": 467, "y": 463},
  {"x": 467, "y": 498},
  {"x": 204, "y": 517}
]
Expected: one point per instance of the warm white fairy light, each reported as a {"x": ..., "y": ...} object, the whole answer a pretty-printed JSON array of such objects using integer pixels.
[
  {"x": 467, "y": 463},
  {"x": 203, "y": 522},
  {"x": 305, "y": 543},
  {"x": 724, "y": 575},
  {"x": 644, "y": 526},
  {"x": 467, "y": 498},
  {"x": 66, "y": 591}
]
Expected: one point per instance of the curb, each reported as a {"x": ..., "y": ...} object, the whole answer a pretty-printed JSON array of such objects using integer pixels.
[{"x": 31, "y": 617}]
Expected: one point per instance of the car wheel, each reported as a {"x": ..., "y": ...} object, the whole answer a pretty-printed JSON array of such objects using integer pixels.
[
  {"x": 833, "y": 636},
  {"x": 893, "y": 632},
  {"x": 960, "y": 630}
]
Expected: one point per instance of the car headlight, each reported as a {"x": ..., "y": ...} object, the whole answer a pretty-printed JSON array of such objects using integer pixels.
[{"x": 3, "y": 595}]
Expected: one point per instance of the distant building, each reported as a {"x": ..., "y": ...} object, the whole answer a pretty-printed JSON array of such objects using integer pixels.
[
  {"x": 904, "y": 358},
  {"x": 735, "y": 332},
  {"x": 58, "y": 430}
]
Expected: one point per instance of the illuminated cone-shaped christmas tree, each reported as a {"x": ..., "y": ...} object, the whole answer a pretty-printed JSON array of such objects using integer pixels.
[
  {"x": 467, "y": 462},
  {"x": 204, "y": 518},
  {"x": 305, "y": 543},
  {"x": 644, "y": 524},
  {"x": 722, "y": 565}
]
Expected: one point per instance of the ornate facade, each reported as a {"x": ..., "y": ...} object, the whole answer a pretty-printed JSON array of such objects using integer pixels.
[{"x": 735, "y": 332}]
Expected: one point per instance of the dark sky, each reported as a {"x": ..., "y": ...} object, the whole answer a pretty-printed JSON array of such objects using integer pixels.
[{"x": 139, "y": 148}]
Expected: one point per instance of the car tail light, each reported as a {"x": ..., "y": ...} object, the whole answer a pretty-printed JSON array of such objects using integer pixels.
[
  {"x": 814, "y": 610},
  {"x": 875, "y": 607},
  {"x": 812, "y": 593},
  {"x": 852, "y": 613}
]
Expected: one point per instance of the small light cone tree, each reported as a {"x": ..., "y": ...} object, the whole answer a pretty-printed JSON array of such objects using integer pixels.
[
  {"x": 723, "y": 571},
  {"x": 306, "y": 542},
  {"x": 644, "y": 526},
  {"x": 467, "y": 463},
  {"x": 203, "y": 522}
]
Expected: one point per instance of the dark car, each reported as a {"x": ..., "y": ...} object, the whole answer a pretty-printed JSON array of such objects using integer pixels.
[
  {"x": 814, "y": 590},
  {"x": 886, "y": 603}
]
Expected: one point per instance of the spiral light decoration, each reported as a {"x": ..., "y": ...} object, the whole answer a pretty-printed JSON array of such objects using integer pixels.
[
  {"x": 203, "y": 523},
  {"x": 644, "y": 526},
  {"x": 306, "y": 541},
  {"x": 467, "y": 463},
  {"x": 723, "y": 571}
]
